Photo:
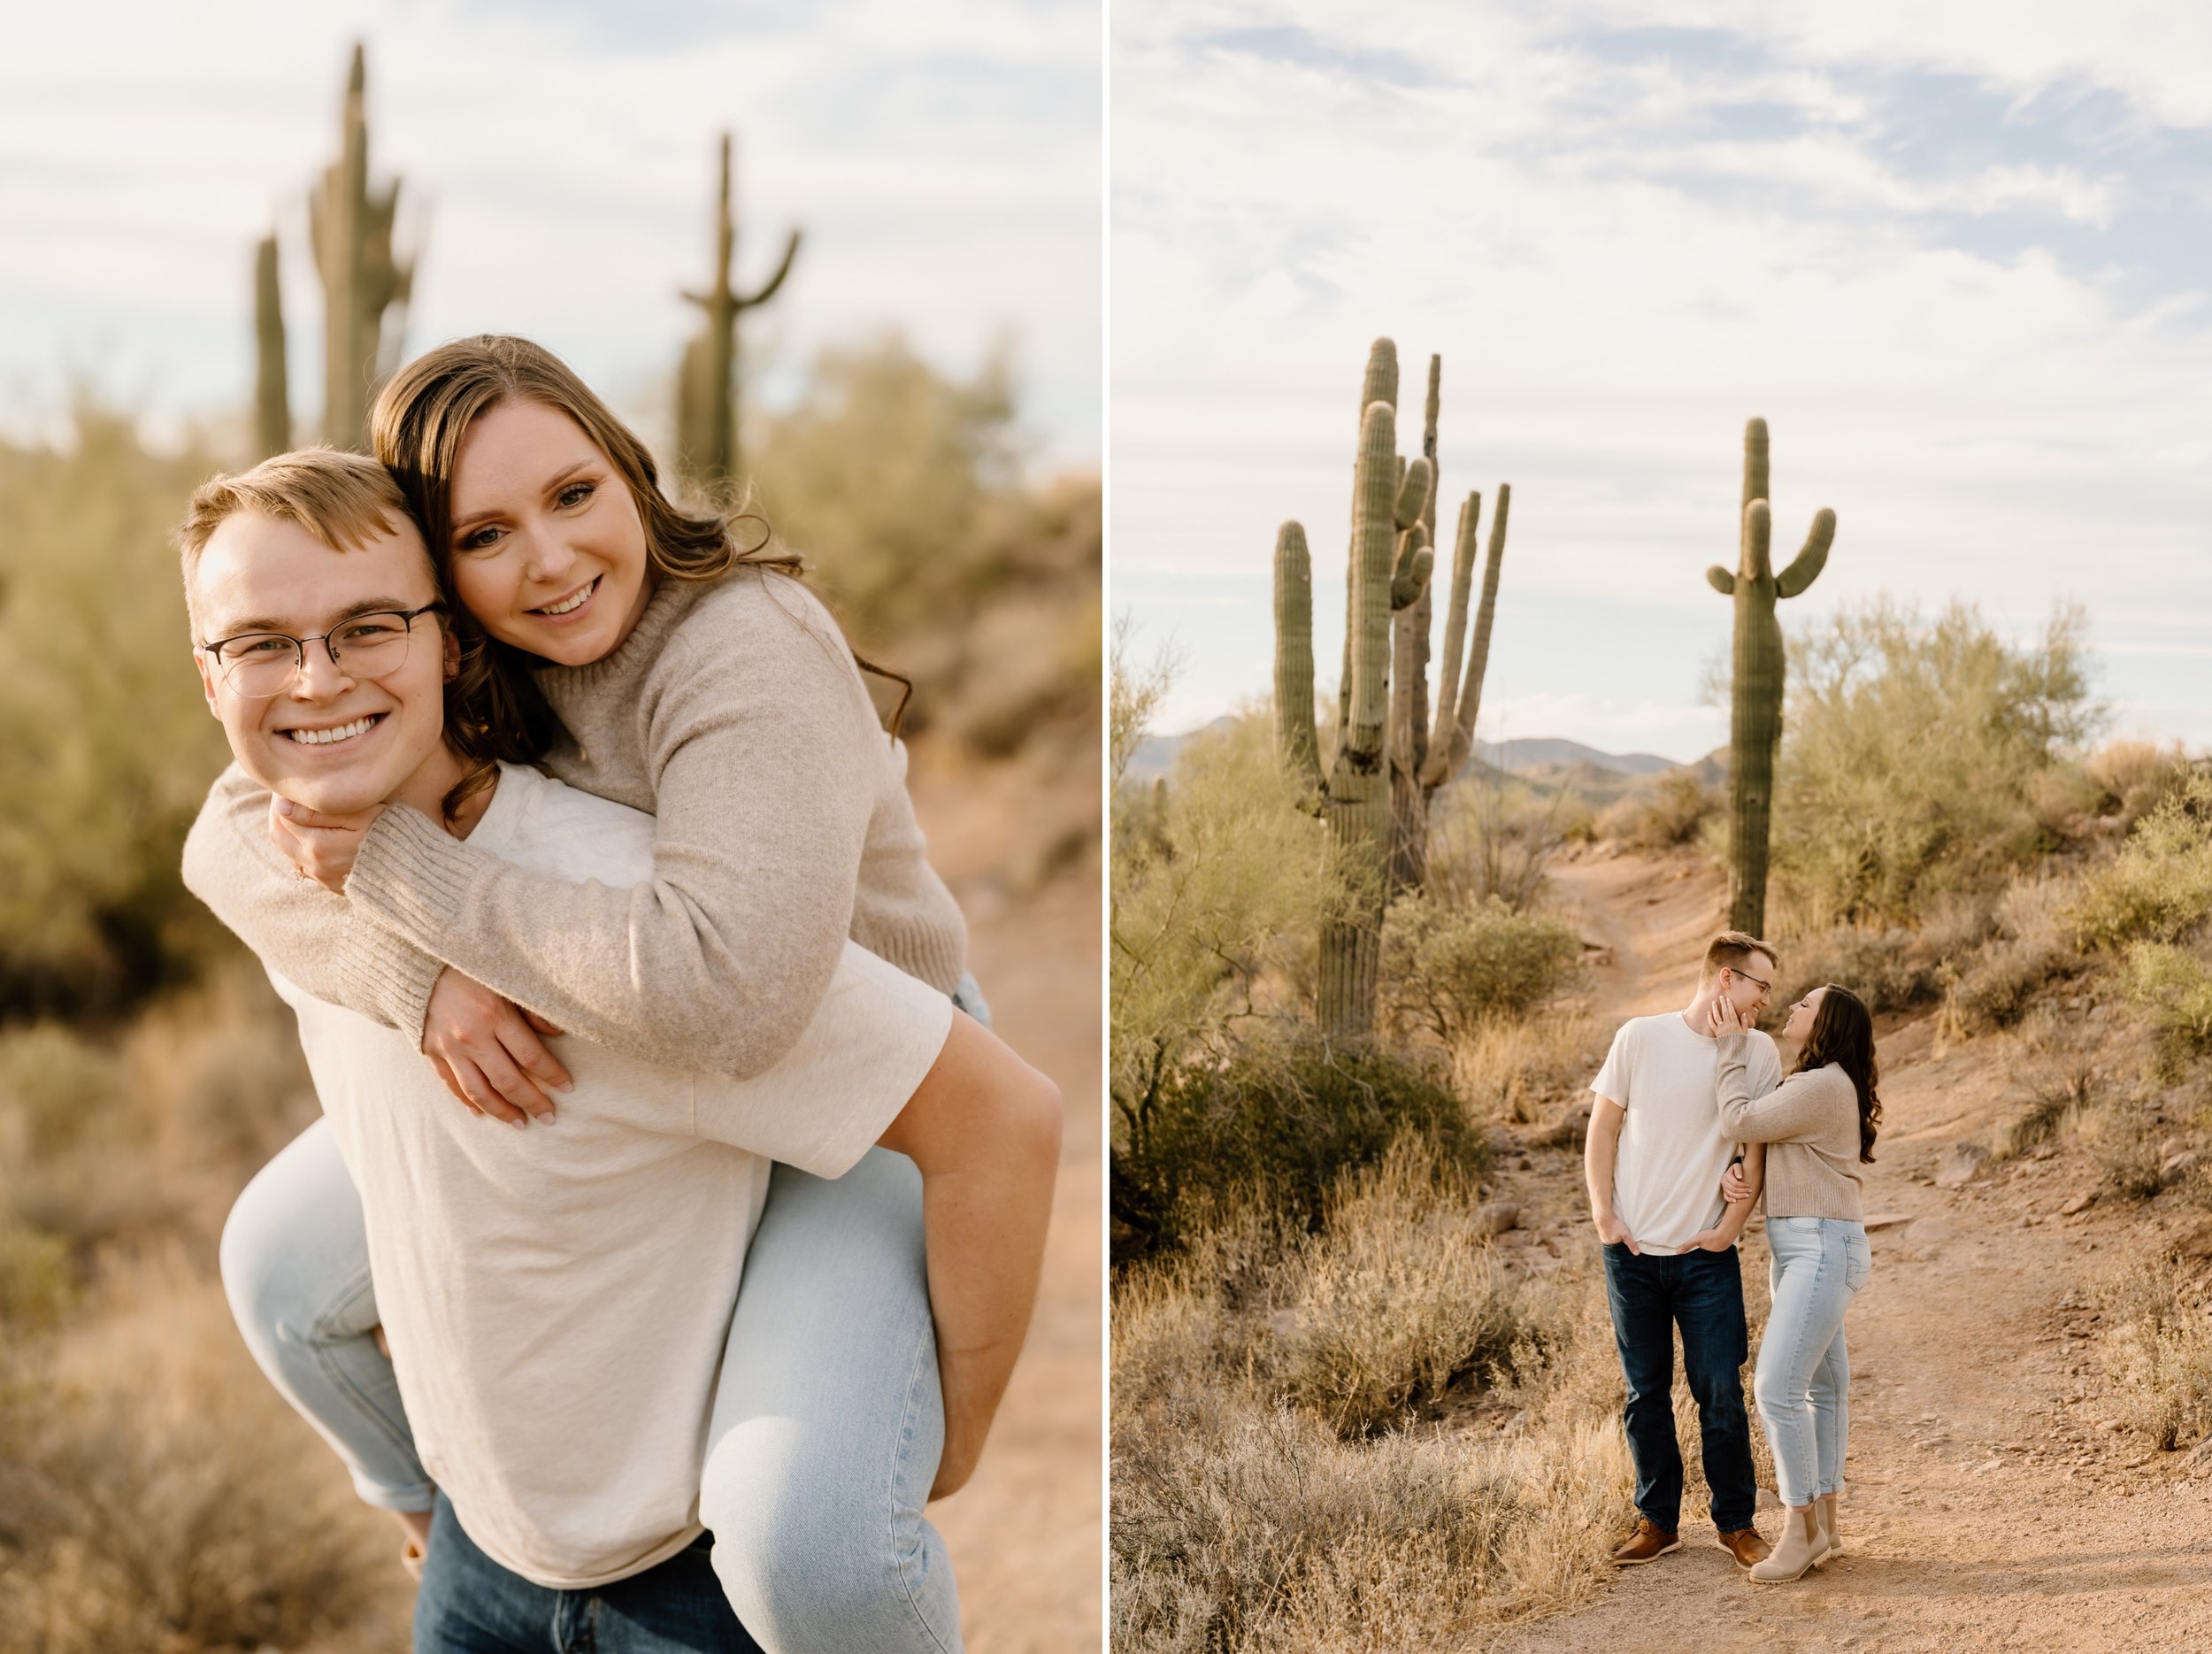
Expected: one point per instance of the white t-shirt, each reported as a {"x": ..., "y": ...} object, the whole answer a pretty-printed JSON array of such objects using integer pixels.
[
  {"x": 557, "y": 1299},
  {"x": 1666, "y": 1178}
]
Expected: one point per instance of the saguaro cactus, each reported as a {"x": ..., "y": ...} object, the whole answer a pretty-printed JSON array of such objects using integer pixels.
[
  {"x": 707, "y": 391},
  {"x": 1754, "y": 720},
  {"x": 351, "y": 228},
  {"x": 273, "y": 399},
  {"x": 1389, "y": 565}
]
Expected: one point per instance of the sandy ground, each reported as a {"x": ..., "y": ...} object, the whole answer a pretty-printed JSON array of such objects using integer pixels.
[
  {"x": 1019, "y": 848},
  {"x": 1986, "y": 1506}
]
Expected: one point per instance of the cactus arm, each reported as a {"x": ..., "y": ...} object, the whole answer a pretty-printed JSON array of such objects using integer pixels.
[
  {"x": 272, "y": 407},
  {"x": 1373, "y": 541},
  {"x": 1413, "y": 493},
  {"x": 1416, "y": 560},
  {"x": 767, "y": 289},
  {"x": 1465, "y": 545},
  {"x": 1805, "y": 567},
  {"x": 1381, "y": 381},
  {"x": 1757, "y": 565},
  {"x": 1755, "y": 461},
  {"x": 1720, "y": 580},
  {"x": 1294, "y": 741},
  {"x": 1462, "y": 740}
]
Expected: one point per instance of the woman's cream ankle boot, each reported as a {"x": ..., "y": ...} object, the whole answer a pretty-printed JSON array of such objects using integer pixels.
[
  {"x": 1799, "y": 1547},
  {"x": 1831, "y": 1534}
]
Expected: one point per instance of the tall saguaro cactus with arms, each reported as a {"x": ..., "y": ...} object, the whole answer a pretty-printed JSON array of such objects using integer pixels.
[
  {"x": 707, "y": 391},
  {"x": 1755, "y": 719},
  {"x": 1389, "y": 567},
  {"x": 351, "y": 228}
]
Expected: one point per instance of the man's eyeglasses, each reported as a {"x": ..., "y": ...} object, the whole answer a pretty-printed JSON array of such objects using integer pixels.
[
  {"x": 258, "y": 665},
  {"x": 1765, "y": 987}
]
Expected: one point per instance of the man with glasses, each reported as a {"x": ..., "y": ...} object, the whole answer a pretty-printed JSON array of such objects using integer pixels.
[
  {"x": 559, "y": 1303},
  {"x": 1655, "y": 1160}
]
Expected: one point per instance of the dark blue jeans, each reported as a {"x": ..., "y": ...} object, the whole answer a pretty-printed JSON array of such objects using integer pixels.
[
  {"x": 469, "y": 1605},
  {"x": 1702, "y": 1293}
]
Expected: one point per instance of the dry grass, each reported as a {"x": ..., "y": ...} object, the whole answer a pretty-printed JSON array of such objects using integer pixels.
[
  {"x": 1370, "y": 1438},
  {"x": 160, "y": 1495},
  {"x": 2158, "y": 1354}
]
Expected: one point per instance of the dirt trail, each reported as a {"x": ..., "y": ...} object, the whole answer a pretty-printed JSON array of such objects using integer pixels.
[
  {"x": 1985, "y": 1508},
  {"x": 1018, "y": 846}
]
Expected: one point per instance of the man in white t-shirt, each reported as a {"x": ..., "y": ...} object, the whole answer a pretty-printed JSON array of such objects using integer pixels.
[
  {"x": 556, "y": 1302},
  {"x": 1655, "y": 1160}
]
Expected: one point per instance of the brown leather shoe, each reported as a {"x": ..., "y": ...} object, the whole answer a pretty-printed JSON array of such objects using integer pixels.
[
  {"x": 1647, "y": 1543},
  {"x": 1746, "y": 1546}
]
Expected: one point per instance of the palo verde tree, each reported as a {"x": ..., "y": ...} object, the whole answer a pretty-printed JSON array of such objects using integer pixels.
[{"x": 1754, "y": 715}]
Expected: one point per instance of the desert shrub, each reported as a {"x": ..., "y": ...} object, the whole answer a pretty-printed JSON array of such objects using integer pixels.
[
  {"x": 2158, "y": 887},
  {"x": 53, "y": 1082},
  {"x": 1994, "y": 987},
  {"x": 2158, "y": 1354},
  {"x": 1275, "y": 1125},
  {"x": 1671, "y": 812},
  {"x": 1246, "y": 1517},
  {"x": 1382, "y": 1326},
  {"x": 2135, "y": 777},
  {"x": 1891, "y": 968},
  {"x": 1454, "y": 970},
  {"x": 106, "y": 748},
  {"x": 1910, "y": 752},
  {"x": 2172, "y": 986},
  {"x": 36, "y": 1279},
  {"x": 1220, "y": 883},
  {"x": 902, "y": 486},
  {"x": 150, "y": 1504},
  {"x": 1494, "y": 835}
]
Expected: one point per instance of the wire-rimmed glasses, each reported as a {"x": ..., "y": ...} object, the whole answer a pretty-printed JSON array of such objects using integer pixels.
[{"x": 258, "y": 665}]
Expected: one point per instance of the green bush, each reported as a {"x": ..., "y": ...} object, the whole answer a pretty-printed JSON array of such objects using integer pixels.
[
  {"x": 1454, "y": 969},
  {"x": 1275, "y": 1125},
  {"x": 106, "y": 747},
  {"x": 1911, "y": 756},
  {"x": 2159, "y": 886},
  {"x": 1217, "y": 884},
  {"x": 2175, "y": 989}
]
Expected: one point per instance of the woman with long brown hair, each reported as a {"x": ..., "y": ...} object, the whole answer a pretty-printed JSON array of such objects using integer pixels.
[
  {"x": 1819, "y": 1128},
  {"x": 669, "y": 659}
]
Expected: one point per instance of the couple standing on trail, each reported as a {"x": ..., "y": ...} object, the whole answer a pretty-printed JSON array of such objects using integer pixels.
[{"x": 1693, "y": 1123}]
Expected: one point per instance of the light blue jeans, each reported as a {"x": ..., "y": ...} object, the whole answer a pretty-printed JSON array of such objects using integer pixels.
[
  {"x": 1803, "y": 1382},
  {"x": 827, "y": 1422}
]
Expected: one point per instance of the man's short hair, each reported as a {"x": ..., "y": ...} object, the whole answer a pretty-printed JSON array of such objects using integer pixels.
[
  {"x": 1729, "y": 951},
  {"x": 344, "y": 500}
]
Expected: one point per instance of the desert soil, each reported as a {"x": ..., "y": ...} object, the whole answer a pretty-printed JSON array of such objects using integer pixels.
[
  {"x": 1019, "y": 844},
  {"x": 1989, "y": 1503}
]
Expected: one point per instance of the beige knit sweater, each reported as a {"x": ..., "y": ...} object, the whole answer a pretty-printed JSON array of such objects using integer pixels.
[
  {"x": 734, "y": 714},
  {"x": 1810, "y": 1125}
]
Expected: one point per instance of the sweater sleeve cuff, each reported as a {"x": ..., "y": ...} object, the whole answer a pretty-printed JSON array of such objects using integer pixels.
[
  {"x": 389, "y": 973},
  {"x": 411, "y": 876}
]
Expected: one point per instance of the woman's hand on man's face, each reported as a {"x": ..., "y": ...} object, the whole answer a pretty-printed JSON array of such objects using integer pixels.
[
  {"x": 487, "y": 1050},
  {"x": 322, "y": 847},
  {"x": 1721, "y": 1017}
]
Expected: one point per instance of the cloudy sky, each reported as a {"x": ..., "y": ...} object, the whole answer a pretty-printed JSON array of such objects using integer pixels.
[
  {"x": 1957, "y": 255},
  {"x": 557, "y": 155}
]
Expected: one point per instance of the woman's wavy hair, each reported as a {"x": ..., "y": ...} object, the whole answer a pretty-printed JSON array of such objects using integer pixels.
[
  {"x": 494, "y": 709},
  {"x": 1843, "y": 1034}
]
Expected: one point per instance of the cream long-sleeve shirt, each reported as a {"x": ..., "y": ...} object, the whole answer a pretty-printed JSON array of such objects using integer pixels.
[
  {"x": 1810, "y": 1125},
  {"x": 732, "y": 713}
]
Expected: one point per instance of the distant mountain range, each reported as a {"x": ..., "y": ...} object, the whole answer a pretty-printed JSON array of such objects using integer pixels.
[{"x": 1548, "y": 758}]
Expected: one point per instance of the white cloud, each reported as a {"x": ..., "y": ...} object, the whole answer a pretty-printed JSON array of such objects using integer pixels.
[
  {"x": 1615, "y": 279},
  {"x": 944, "y": 168}
]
